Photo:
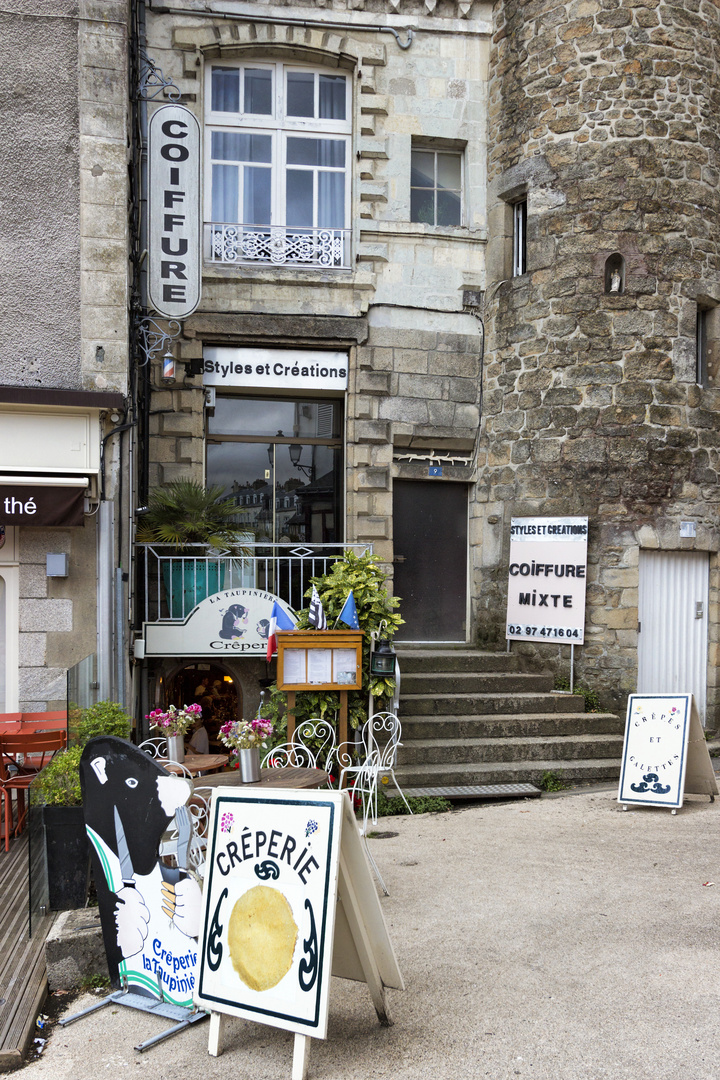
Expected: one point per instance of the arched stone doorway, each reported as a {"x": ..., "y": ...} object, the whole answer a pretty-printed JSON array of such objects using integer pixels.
[{"x": 211, "y": 685}]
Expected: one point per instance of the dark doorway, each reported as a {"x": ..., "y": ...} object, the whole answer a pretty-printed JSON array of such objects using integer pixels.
[
  {"x": 219, "y": 694},
  {"x": 430, "y": 559}
]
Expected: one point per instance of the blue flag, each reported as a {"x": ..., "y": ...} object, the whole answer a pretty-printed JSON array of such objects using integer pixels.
[{"x": 348, "y": 615}]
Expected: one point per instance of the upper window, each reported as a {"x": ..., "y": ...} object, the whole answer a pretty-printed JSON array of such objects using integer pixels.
[
  {"x": 436, "y": 187},
  {"x": 278, "y": 153}
]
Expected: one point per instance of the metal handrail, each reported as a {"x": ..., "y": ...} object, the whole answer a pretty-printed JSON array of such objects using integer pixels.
[{"x": 172, "y": 583}]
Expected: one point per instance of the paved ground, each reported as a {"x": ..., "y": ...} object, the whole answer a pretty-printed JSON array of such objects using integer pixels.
[{"x": 557, "y": 939}]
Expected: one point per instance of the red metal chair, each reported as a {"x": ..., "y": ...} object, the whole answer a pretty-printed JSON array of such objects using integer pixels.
[{"x": 22, "y": 756}]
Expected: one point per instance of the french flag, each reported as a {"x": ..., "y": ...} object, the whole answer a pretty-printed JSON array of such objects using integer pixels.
[{"x": 279, "y": 620}]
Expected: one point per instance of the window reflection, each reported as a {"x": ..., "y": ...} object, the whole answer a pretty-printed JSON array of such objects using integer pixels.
[{"x": 285, "y": 491}]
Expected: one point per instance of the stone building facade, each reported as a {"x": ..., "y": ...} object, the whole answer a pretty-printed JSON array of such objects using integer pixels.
[
  {"x": 63, "y": 343},
  {"x": 400, "y": 300},
  {"x": 522, "y": 278},
  {"x": 603, "y": 116}
]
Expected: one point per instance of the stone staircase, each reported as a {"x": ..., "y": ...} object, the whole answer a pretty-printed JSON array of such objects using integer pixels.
[{"x": 472, "y": 717}]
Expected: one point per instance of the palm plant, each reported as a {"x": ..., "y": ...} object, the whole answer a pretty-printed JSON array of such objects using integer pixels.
[{"x": 184, "y": 512}]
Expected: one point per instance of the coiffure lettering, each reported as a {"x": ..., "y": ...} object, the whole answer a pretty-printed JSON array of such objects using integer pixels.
[{"x": 174, "y": 211}]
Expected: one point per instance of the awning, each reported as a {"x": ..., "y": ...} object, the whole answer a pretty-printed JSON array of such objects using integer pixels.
[{"x": 42, "y": 500}]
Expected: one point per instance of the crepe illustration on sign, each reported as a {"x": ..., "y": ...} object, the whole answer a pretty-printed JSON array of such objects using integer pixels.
[
  {"x": 150, "y": 913},
  {"x": 261, "y": 937}
]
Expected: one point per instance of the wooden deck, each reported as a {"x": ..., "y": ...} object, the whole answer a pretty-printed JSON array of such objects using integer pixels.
[{"x": 23, "y": 983}]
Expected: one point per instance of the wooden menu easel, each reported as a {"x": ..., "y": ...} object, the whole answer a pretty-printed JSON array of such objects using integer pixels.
[{"x": 302, "y": 665}]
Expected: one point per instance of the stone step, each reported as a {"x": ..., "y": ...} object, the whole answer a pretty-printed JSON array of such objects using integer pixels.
[
  {"x": 498, "y": 726},
  {"x": 416, "y": 660},
  {"x": 480, "y": 682},
  {"x": 440, "y": 752},
  {"x": 479, "y": 704},
  {"x": 508, "y": 772}
]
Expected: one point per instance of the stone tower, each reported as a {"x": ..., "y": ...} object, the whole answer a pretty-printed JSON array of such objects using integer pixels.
[{"x": 601, "y": 389}]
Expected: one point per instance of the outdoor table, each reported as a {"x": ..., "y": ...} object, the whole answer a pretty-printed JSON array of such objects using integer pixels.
[
  {"x": 197, "y": 763},
  {"x": 277, "y": 778}
]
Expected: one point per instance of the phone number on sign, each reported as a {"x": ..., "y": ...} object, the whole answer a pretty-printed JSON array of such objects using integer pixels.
[{"x": 516, "y": 630}]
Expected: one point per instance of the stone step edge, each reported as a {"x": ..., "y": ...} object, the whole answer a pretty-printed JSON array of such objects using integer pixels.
[
  {"x": 515, "y": 740},
  {"x": 453, "y": 718},
  {"x": 510, "y": 766}
]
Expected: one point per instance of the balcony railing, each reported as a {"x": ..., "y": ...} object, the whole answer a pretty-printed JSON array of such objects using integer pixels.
[
  {"x": 278, "y": 245},
  {"x": 171, "y": 585}
]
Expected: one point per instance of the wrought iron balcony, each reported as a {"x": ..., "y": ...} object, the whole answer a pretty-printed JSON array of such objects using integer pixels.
[
  {"x": 171, "y": 585},
  {"x": 278, "y": 245}
]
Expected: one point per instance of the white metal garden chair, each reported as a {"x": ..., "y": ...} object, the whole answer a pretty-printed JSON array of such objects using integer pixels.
[
  {"x": 312, "y": 747},
  {"x": 379, "y": 743}
]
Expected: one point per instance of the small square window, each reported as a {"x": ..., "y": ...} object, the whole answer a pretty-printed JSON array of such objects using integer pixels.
[{"x": 436, "y": 187}]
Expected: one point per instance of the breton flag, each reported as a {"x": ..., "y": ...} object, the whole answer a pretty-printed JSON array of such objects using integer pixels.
[
  {"x": 349, "y": 615},
  {"x": 316, "y": 615},
  {"x": 279, "y": 620}
]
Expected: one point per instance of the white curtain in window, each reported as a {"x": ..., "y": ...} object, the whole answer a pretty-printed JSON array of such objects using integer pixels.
[{"x": 225, "y": 181}]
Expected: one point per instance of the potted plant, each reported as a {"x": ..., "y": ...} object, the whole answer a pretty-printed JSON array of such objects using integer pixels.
[
  {"x": 182, "y": 514},
  {"x": 174, "y": 725},
  {"x": 56, "y": 801},
  {"x": 245, "y": 738}
]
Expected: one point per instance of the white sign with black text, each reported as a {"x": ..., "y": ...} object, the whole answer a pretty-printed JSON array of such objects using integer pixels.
[
  {"x": 546, "y": 579},
  {"x": 281, "y": 369},
  {"x": 288, "y": 901},
  {"x": 665, "y": 754},
  {"x": 174, "y": 264}
]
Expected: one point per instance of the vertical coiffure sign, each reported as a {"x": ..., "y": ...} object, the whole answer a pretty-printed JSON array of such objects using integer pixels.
[
  {"x": 546, "y": 579},
  {"x": 174, "y": 264}
]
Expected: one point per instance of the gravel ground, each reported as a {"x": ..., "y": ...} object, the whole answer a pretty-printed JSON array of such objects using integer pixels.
[{"x": 554, "y": 939}]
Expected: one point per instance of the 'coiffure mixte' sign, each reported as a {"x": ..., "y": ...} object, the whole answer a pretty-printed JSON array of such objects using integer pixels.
[
  {"x": 174, "y": 267},
  {"x": 547, "y": 579}
]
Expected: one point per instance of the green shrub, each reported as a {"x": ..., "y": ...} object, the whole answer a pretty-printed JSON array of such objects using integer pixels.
[
  {"x": 58, "y": 784},
  {"x": 363, "y": 575},
  {"x": 105, "y": 718},
  {"x": 552, "y": 781},
  {"x": 592, "y": 701},
  {"x": 422, "y": 804}
]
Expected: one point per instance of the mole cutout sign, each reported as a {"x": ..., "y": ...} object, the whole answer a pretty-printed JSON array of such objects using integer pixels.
[{"x": 150, "y": 914}]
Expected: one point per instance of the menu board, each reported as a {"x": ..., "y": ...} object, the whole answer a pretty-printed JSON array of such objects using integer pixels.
[{"x": 330, "y": 659}]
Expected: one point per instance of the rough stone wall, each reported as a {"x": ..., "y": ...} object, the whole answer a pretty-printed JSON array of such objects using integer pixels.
[
  {"x": 40, "y": 208},
  {"x": 604, "y": 114}
]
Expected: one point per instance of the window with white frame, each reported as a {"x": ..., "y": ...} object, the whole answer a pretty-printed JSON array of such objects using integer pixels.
[
  {"x": 436, "y": 187},
  {"x": 278, "y": 164}
]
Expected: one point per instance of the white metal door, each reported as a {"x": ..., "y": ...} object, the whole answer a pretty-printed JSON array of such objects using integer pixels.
[{"x": 673, "y": 617}]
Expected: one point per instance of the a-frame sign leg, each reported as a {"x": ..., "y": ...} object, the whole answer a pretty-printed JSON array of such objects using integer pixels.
[
  {"x": 217, "y": 1027},
  {"x": 301, "y": 1057},
  {"x": 351, "y": 906}
]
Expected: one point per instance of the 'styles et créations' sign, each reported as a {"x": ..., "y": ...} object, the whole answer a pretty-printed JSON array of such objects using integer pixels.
[
  {"x": 282, "y": 369},
  {"x": 270, "y": 882},
  {"x": 546, "y": 579},
  {"x": 174, "y": 278},
  {"x": 665, "y": 753}
]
